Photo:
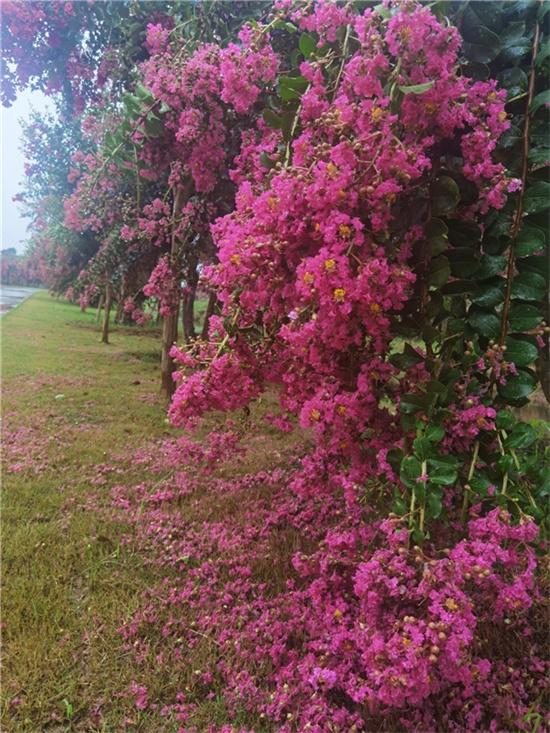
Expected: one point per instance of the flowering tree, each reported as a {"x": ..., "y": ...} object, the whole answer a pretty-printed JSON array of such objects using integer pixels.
[
  {"x": 364, "y": 190},
  {"x": 384, "y": 270}
]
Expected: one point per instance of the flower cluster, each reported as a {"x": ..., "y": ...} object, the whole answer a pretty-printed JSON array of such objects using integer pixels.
[
  {"x": 362, "y": 631},
  {"x": 315, "y": 262},
  {"x": 164, "y": 285},
  {"x": 138, "y": 315}
]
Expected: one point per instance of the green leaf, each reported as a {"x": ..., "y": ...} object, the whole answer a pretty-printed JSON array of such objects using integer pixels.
[
  {"x": 417, "y": 88},
  {"x": 417, "y": 536},
  {"x": 434, "y": 504},
  {"x": 307, "y": 45},
  {"x": 514, "y": 80},
  {"x": 434, "y": 387},
  {"x": 463, "y": 261},
  {"x": 481, "y": 44},
  {"x": 537, "y": 197},
  {"x": 490, "y": 294},
  {"x": 524, "y": 317},
  {"x": 516, "y": 50},
  {"x": 502, "y": 224},
  {"x": 505, "y": 463},
  {"x": 411, "y": 403},
  {"x": 518, "y": 386},
  {"x": 519, "y": 352},
  {"x": 109, "y": 140},
  {"x": 510, "y": 137},
  {"x": 485, "y": 323},
  {"x": 537, "y": 264},
  {"x": 440, "y": 271},
  {"x": 153, "y": 126},
  {"x": 435, "y": 433},
  {"x": 505, "y": 420},
  {"x": 422, "y": 448},
  {"x": 445, "y": 196},
  {"x": 282, "y": 25},
  {"x": 144, "y": 94},
  {"x": 436, "y": 233},
  {"x": 460, "y": 287},
  {"x": 419, "y": 490},
  {"x": 528, "y": 286},
  {"x": 540, "y": 155},
  {"x": 272, "y": 119},
  {"x": 522, "y": 436},
  {"x": 394, "y": 457},
  {"x": 442, "y": 471},
  {"x": 542, "y": 98},
  {"x": 407, "y": 359},
  {"x": 543, "y": 53},
  {"x": 292, "y": 87},
  {"x": 490, "y": 266},
  {"x": 411, "y": 469},
  {"x": 383, "y": 11},
  {"x": 288, "y": 123},
  {"x": 132, "y": 104},
  {"x": 399, "y": 507},
  {"x": 480, "y": 483},
  {"x": 530, "y": 240},
  {"x": 513, "y": 32},
  {"x": 265, "y": 160},
  {"x": 474, "y": 70},
  {"x": 464, "y": 234}
]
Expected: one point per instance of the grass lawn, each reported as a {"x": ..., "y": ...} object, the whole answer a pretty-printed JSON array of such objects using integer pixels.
[
  {"x": 70, "y": 404},
  {"x": 74, "y": 413}
]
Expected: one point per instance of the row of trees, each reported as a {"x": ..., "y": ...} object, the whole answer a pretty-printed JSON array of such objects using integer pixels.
[
  {"x": 363, "y": 192},
  {"x": 107, "y": 185},
  {"x": 16, "y": 269}
]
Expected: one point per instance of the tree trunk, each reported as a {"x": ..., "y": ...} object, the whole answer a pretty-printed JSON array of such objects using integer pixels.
[
  {"x": 107, "y": 314},
  {"x": 169, "y": 336},
  {"x": 119, "y": 315},
  {"x": 99, "y": 307},
  {"x": 212, "y": 300},
  {"x": 188, "y": 314},
  {"x": 170, "y": 323}
]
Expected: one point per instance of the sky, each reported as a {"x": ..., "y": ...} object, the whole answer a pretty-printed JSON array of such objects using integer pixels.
[{"x": 14, "y": 227}]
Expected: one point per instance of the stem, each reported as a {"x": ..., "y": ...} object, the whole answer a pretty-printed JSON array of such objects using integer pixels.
[
  {"x": 471, "y": 470},
  {"x": 344, "y": 51},
  {"x": 138, "y": 183},
  {"x": 505, "y": 484},
  {"x": 519, "y": 209},
  {"x": 505, "y": 477},
  {"x": 292, "y": 132},
  {"x": 411, "y": 509},
  {"x": 138, "y": 122},
  {"x": 424, "y": 468},
  {"x": 226, "y": 337}
]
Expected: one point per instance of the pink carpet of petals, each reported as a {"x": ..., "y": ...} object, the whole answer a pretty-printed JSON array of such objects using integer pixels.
[{"x": 354, "y": 630}]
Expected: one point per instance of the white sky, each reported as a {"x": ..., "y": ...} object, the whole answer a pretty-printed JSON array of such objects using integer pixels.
[{"x": 14, "y": 227}]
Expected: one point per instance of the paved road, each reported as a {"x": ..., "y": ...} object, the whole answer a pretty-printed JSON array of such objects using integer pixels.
[{"x": 10, "y": 296}]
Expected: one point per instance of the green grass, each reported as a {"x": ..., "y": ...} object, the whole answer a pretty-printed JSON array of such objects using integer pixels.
[{"x": 67, "y": 581}]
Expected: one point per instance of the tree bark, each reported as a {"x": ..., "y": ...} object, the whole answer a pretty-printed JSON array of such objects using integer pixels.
[
  {"x": 107, "y": 314},
  {"x": 99, "y": 307},
  {"x": 212, "y": 300},
  {"x": 170, "y": 322},
  {"x": 188, "y": 314}
]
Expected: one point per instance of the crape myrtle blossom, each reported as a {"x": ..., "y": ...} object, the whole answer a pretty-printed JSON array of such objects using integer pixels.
[
  {"x": 315, "y": 264},
  {"x": 364, "y": 630},
  {"x": 314, "y": 257}
]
